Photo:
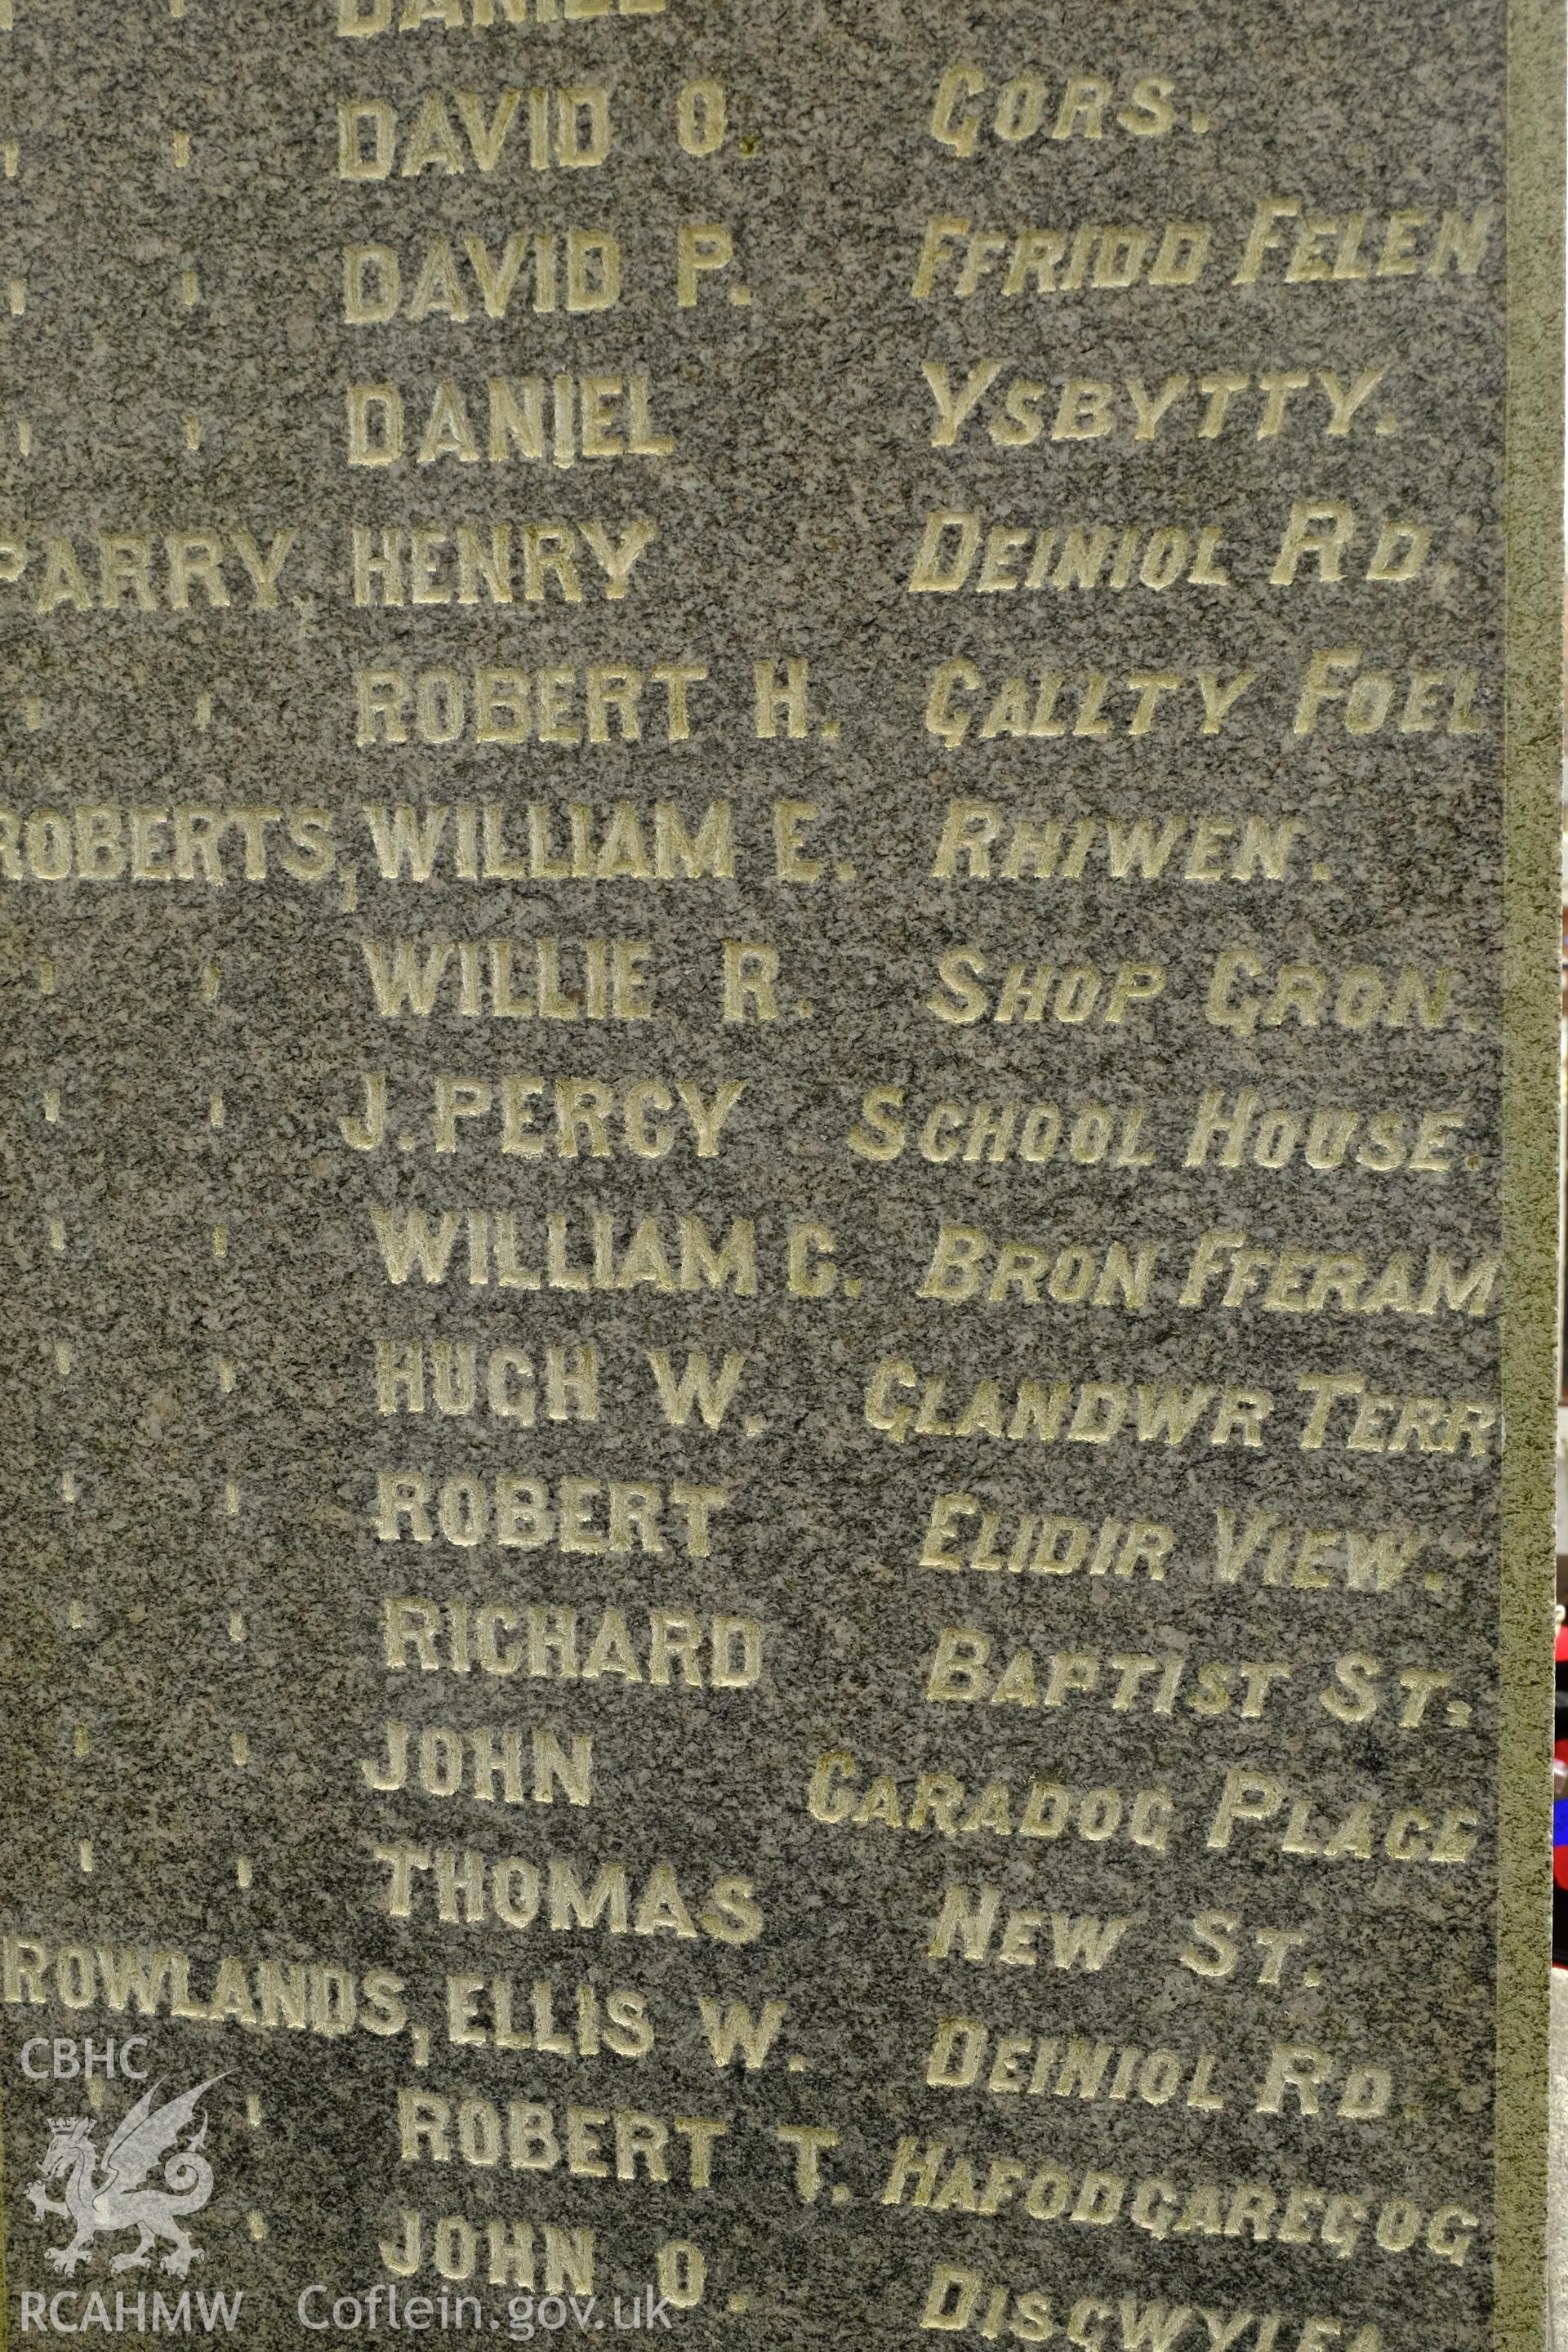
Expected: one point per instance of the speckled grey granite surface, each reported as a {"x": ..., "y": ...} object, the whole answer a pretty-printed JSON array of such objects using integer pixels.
[
  {"x": 1091, "y": 422},
  {"x": 1557, "y": 2270}
]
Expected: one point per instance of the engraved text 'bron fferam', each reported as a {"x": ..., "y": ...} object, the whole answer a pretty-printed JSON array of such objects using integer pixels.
[{"x": 778, "y": 875}]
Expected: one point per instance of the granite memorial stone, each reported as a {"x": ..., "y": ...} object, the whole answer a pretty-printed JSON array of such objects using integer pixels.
[{"x": 777, "y": 840}]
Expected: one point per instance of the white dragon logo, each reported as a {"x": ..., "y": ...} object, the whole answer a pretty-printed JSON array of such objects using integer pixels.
[{"x": 118, "y": 2199}]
